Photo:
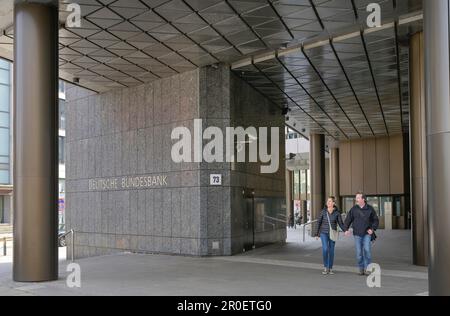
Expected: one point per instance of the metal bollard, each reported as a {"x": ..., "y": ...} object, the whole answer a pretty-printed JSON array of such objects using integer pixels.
[{"x": 4, "y": 246}]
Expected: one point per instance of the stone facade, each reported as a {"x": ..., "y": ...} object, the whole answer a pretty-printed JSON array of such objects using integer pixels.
[{"x": 125, "y": 136}]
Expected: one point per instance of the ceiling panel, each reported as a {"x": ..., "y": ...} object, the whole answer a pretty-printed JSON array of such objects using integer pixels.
[{"x": 350, "y": 87}]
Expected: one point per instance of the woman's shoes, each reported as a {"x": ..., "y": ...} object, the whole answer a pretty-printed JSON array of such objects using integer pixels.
[
  {"x": 330, "y": 272},
  {"x": 325, "y": 271}
]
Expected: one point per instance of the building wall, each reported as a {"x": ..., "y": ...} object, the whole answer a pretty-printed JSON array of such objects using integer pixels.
[
  {"x": 249, "y": 108},
  {"x": 127, "y": 133},
  {"x": 374, "y": 166}
]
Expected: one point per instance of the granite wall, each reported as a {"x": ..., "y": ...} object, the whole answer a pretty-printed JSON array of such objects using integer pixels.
[{"x": 124, "y": 192}]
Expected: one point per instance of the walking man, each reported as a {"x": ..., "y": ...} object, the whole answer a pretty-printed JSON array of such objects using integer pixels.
[{"x": 365, "y": 221}]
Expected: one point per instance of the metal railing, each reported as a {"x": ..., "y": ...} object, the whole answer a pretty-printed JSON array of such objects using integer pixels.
[
  {"x": 63, "y": 237},
  {"x": 279, "y": 220},
  {"x": 307, "y": 224},
  {"x": 71, "y": 232},
  {"x": 267, "y": 223}
]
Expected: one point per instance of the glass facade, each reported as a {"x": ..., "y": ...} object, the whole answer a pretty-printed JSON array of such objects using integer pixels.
[
  {"x": 61, "y": 155},
  {"x": 5, "y": 121},
  {"x": 301, "y": 187},
  {"x": 384, "y": 201},
  {"x": 2, "y": 210},
  {"x": 303, "y": 184},
  {"x": 6, "y": 138},
  {"x": 301, "y": 192},
  {"x": 62, "y": 111},
  {"x": 386, "y": 204},
  {"x": 292, "y": 135},
  {"x": 61, "y": 205},
  {"x": 61, "y": 150},
  {"x": 296, "y": 185}
]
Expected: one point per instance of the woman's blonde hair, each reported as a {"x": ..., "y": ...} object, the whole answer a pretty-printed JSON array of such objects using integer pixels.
[{"x": 333, "y": 199}]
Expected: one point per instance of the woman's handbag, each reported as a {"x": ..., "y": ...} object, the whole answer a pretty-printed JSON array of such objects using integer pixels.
[{"x": 334, "y": 234}]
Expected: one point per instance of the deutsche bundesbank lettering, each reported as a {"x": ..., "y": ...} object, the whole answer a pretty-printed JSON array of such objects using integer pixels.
[{"x": 127, "y": 183}]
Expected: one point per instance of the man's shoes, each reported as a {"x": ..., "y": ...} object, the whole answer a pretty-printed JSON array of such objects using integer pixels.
[
  {"x": 362, "y": 272},
  {"x": 325, "y": 271},
  {"x": 330, "y": 272}
]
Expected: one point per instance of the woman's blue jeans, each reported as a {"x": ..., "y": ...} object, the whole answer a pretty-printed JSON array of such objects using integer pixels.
[{"x": 327, "y": 250}]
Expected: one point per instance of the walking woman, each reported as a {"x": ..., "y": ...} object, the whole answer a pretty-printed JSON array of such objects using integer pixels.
[{"x": 327, "y": 231}]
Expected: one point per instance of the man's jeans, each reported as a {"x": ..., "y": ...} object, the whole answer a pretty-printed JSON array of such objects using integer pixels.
[
  {"x": 363, "y": 251},
  {"x": 327, "y": 251}
]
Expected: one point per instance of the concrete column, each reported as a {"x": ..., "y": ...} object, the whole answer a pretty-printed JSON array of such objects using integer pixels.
[
  {"x": 334, "y": 175},
  {"x": 35, "y": 140},
  {"x": 418, "y": 143},
  {"x": 327, "y": 177},
  {"x": 289, "y": 197},
  {"x": 437, "y": 82},
  {"x": 317, "y": 165}
]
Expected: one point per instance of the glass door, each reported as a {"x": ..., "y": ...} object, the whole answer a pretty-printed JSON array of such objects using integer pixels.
[{"x": 249, "y": 243}]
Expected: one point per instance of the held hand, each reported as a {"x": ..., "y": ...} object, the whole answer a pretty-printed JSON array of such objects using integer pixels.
[
  {"x": 347, "y": 233},
  {"x": 317, "y": 238},
  {"x": 370, "y": 232}
]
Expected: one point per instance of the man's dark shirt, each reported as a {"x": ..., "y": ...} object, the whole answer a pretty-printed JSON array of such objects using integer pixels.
[{"x": 362, "y": 219}]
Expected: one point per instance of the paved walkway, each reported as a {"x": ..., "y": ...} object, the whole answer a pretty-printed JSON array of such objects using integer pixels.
[{"x": 290, "y": 269}]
